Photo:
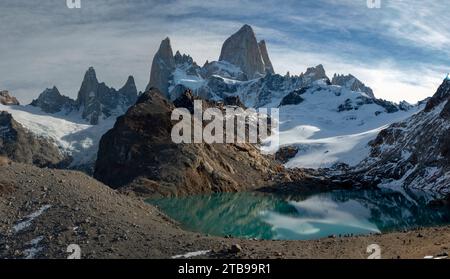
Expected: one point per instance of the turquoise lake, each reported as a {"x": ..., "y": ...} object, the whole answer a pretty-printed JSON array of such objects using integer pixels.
[{"x": 262, "y": 216}]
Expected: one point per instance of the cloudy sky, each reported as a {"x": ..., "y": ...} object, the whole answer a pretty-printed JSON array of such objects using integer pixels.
[{"x": 401, "y": 50}]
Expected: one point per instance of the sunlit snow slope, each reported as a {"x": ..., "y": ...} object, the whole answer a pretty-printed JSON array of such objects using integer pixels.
[
  {"x": 73, "y": 135},
  {"x": 326, "y": 135}
]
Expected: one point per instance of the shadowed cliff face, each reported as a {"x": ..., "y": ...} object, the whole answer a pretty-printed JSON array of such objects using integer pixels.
[
  {"x": 139, "y": 153},
  {"x": 162, "y": 67},
  {"x": 51, "y": 101},
  {"x": 265, "y": 56}
]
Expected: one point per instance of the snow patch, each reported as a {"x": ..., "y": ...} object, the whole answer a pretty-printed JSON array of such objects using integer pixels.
[
  {"x": 32, "y": 252},
  {"x": 326, "y": 136},
  {"x": 192, "y": 254},
  {"x": 28, "y": 220}
]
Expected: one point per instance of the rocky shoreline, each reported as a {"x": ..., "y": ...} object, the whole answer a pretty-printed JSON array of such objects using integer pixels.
[{"x": 44, "y": 211}]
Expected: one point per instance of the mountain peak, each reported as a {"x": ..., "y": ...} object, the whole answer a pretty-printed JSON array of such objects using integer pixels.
[
  {"x": 241, "y": 49},
  {"x": 52, "y": 91},
  {"x": 165, "y": 45},
  {"x": 441, "y": 95},
  {"x": 51, "y": 101},
  {"x": 162, "y": 66},
  {"x": 130, "y": 80},
  {"x": 352, "y": 83},
  {"x": 90, "y": 75},
  {"x": 246, "y": 28},
  {"x": 316, "y": 73}
]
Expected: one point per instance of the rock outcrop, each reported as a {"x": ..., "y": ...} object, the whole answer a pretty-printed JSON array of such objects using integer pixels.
[
  {"x": 242, "y": 50},
  {"x": 8, "y": 100},
  {"x": 315, "y": 73},
  {"x": 97, "y": 101},
  {"x": 21, "y": 146},
  {"x": 139, "y": 153},
  {"x": 223, "y": 69},
  {"x": 162, "y": 67},
  {"x": 265, "y": 55},
  {"x": 414, "y": 153},
  {"x": 294, "y": 98},
  {"x": 352, "y": 83},
  {"x": 51, "y": 101}
]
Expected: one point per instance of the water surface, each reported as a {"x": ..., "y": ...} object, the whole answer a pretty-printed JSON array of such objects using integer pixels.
[{"x": 252, "y": 215}]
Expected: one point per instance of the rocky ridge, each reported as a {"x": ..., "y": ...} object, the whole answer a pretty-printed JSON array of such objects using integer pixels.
[
  {"x": 139, "y": 153},
  {"x": 413, "y": 153},
  {"x": 95, "y": 101}
]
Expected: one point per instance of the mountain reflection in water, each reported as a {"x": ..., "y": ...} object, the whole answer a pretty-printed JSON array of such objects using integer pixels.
[{"x": 252, "y": 215}]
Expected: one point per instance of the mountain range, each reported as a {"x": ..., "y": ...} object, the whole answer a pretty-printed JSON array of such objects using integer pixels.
[{"x": 335, "y": 124}]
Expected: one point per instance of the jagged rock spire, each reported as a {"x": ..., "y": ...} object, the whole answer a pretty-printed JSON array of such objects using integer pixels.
[
  {"x": 96, "y": 100},
  {"x": 89, "y": 87},
  {"x": 162, "y": 67},
  {"x": 242, "y": 50},
  {"x": 265, "y": 56},
  {"x": 129, "y": 91}
]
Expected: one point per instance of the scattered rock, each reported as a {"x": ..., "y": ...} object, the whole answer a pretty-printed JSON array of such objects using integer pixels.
[{"x": 235, "y": 249}]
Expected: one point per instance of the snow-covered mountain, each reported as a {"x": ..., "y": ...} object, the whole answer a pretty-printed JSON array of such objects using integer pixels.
[
  {"x": 76, "y": 126},
  {"x": 325, "y": 121},
  {"x": 95, "y": 102},
  {"x": 331, "y": 124},
  {"x": 414, "y": 153}
]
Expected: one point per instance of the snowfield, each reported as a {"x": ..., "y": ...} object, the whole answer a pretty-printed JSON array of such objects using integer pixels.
[
  {"x": 331, "y": 125},
  {"x": 73, "y": 135},
  {"x": 325, "y": 136}
]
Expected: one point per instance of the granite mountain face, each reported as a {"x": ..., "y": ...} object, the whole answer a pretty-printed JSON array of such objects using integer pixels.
[
  {"x": 162, "y": 67},
  {"x": 242, "y": 49},
  {"x": 352, "y": 83}
]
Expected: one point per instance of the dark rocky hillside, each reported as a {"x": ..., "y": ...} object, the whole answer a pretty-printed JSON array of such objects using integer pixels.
[{"x": 139, "y": 153}]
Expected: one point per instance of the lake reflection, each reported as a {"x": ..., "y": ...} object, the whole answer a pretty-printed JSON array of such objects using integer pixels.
[{"x": 252, "y": 215}]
